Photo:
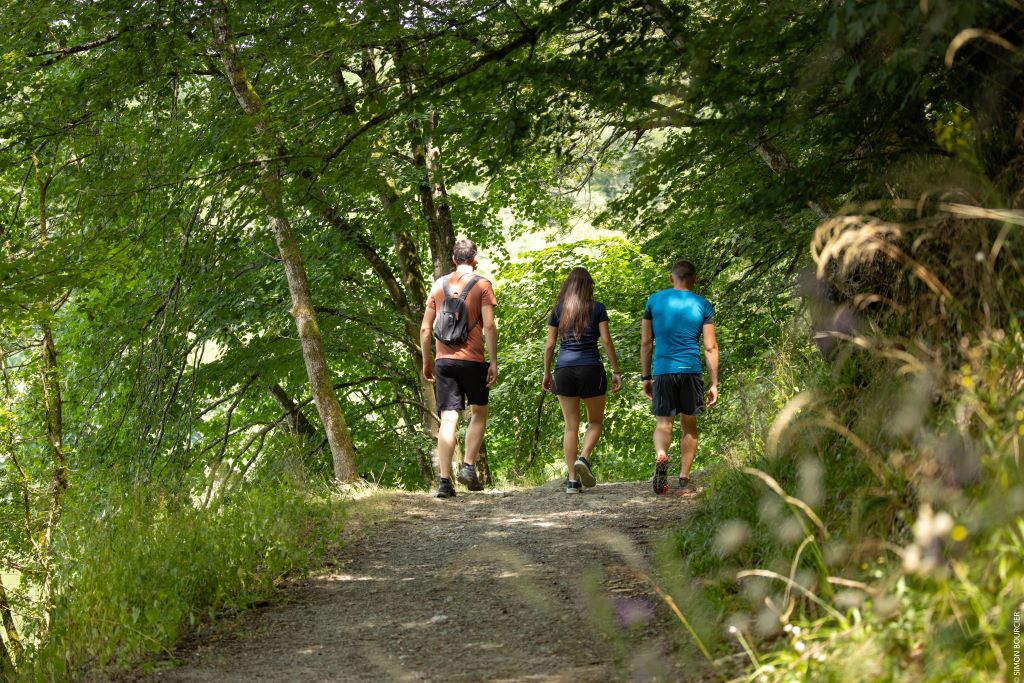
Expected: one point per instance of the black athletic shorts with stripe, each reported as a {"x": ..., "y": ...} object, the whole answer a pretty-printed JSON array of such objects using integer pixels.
[
  {"x": 459, "y": 381},
  {"x": 678, "y": 394},
  {"x": 585, "y": 381}
]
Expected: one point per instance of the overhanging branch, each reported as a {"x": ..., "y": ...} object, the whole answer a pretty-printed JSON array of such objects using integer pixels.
[{"x": 527, "y": 37}]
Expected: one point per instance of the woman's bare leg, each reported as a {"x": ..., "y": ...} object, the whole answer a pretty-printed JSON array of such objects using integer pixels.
[
  {"x": 571, "y": 438},
  {"x": 595, "y": 422}
]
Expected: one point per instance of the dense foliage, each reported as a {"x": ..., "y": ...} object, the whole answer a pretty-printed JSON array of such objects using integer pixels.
[{"x": 219, "y": 221}]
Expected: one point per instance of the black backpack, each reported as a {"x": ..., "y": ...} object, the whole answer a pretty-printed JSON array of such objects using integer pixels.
[{"x": 452, "y": 324}]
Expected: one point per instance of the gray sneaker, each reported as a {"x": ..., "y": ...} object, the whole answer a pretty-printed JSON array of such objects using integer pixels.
[
  {"x": 467, "y": 477},
  {"x": 445, "y": 489},
  {"x": 583, "y": 471},
  {"x": 573, "y": 486}
]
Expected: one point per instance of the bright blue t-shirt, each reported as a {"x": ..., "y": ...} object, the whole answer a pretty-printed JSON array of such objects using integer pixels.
[
  {"x": 573, "y": 351},
  {"x": 678, "y": 317}
]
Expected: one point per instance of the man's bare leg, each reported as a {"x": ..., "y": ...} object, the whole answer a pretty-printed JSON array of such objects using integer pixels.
[
  {"x": 687, "y": 443},
  {"x": 475, "y": 432},
  {"x": 662, "y": 439},
  {"x": 663, "y": 435},
  {"x": 446, "y": 435}
]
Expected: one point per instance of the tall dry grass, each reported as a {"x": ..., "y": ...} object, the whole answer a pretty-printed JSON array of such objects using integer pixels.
[{"x": 876, "y": 532}]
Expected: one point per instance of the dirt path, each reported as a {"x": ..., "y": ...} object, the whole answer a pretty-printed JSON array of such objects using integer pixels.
[{"x": 522, "y": 585}]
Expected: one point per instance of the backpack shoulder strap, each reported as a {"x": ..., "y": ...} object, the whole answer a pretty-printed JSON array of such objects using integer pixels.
[
  {"x": 465, "y": 293},
  {"x": 444, "y": 285},
  {"x": 469, "y": 286}
]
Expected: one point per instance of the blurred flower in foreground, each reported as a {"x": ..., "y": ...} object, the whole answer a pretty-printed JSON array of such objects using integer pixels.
[
  {"x": 925, "y": 554},
  {"x": 631, "y": 612},
  {"x": 731, "y": 537}
]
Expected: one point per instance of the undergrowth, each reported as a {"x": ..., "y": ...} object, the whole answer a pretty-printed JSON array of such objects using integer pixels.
[
  {"x": 870, "y": 527},
  {"x": 137, "y": 576}
]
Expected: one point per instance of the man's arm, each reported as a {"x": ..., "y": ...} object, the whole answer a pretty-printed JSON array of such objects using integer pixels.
[
  {"x": 491, "y": 336},
  {"x": 711, "y": 356},
  {"x": 426, "y": 334},
  {"x": 646, "y": 354}
]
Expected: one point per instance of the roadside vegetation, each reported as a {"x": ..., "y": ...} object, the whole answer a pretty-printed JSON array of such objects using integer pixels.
[{"x": 219, "y": 221}]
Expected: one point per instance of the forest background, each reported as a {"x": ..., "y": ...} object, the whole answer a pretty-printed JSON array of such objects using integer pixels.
[{"x": 219, "y": 221}]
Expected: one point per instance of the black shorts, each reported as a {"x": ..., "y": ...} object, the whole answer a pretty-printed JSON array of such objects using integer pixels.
[
  {"x": 678, "y": 394},
  {"x": 457, "y": 381},
  {"x": 585, "y": 381}
]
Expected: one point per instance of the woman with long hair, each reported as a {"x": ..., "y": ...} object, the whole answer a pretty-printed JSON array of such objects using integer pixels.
[{"x": 577, "y": 322}]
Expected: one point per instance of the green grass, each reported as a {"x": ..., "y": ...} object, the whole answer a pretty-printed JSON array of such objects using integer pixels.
[
  {"x": 139, "y": 575},
  {"x": 921, "y": 561}
]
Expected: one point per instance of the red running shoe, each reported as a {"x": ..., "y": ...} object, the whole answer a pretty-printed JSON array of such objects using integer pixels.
[{"x": 661, "y": 475}]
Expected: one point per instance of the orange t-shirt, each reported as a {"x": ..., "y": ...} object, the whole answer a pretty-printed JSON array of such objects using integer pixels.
[{"x": 481, "y": 295}]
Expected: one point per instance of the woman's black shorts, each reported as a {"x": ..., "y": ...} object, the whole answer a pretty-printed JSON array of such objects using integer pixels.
[
  {"x": 585, "y": 381},
  {"x": 678, "y": 394}
]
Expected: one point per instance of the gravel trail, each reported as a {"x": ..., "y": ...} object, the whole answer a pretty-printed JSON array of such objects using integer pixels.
[{"x": 518, "y": 585}]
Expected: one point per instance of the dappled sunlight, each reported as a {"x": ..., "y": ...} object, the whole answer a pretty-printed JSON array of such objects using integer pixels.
[{"x": 350, "y": 577}]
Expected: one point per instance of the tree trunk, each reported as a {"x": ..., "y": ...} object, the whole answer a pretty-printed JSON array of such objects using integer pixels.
[
  {"x": 11, "y": 653},
  {"x": 445, "y": 225},
  {"x": 59, "y": 484},
  {"x": 412, "y": 276},
  {"x": 272, "y": 189},
  {"x": 667, "y": 21},
  {"x": 297, "y": 424},
  {"x": 440, "y": 229},
  {"x": 535, "y": 441},
  {"x": 377, "y": 263},
  {"x": 436, "y": 214},
  {"x": 407, "y": 297},
  {"x": 52, "y": 412},
  {"x": 442, "y": 242},
  {"x": 482, "y": 466},
  {"x": 409, "y": 265},
  {"x": 7, "y": 669},
  {"x": 53, "y": 401},
  {"x": 423, "y": 455},
  {"x": 409, "y": 262},
  {"x": 411, "y": 271}
]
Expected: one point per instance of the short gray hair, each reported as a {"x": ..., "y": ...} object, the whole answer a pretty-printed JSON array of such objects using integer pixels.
[{"x": 464, "y": 251}]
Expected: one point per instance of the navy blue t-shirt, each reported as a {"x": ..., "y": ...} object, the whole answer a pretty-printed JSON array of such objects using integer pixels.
[{"x": 583, "y": 351}]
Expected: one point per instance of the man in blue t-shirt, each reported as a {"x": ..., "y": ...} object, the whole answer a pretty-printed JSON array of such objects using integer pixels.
[{"x": 674, "y": 320}]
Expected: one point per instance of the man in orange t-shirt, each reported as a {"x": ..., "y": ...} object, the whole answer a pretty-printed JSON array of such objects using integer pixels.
[{"x": 460, "y": 373}]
